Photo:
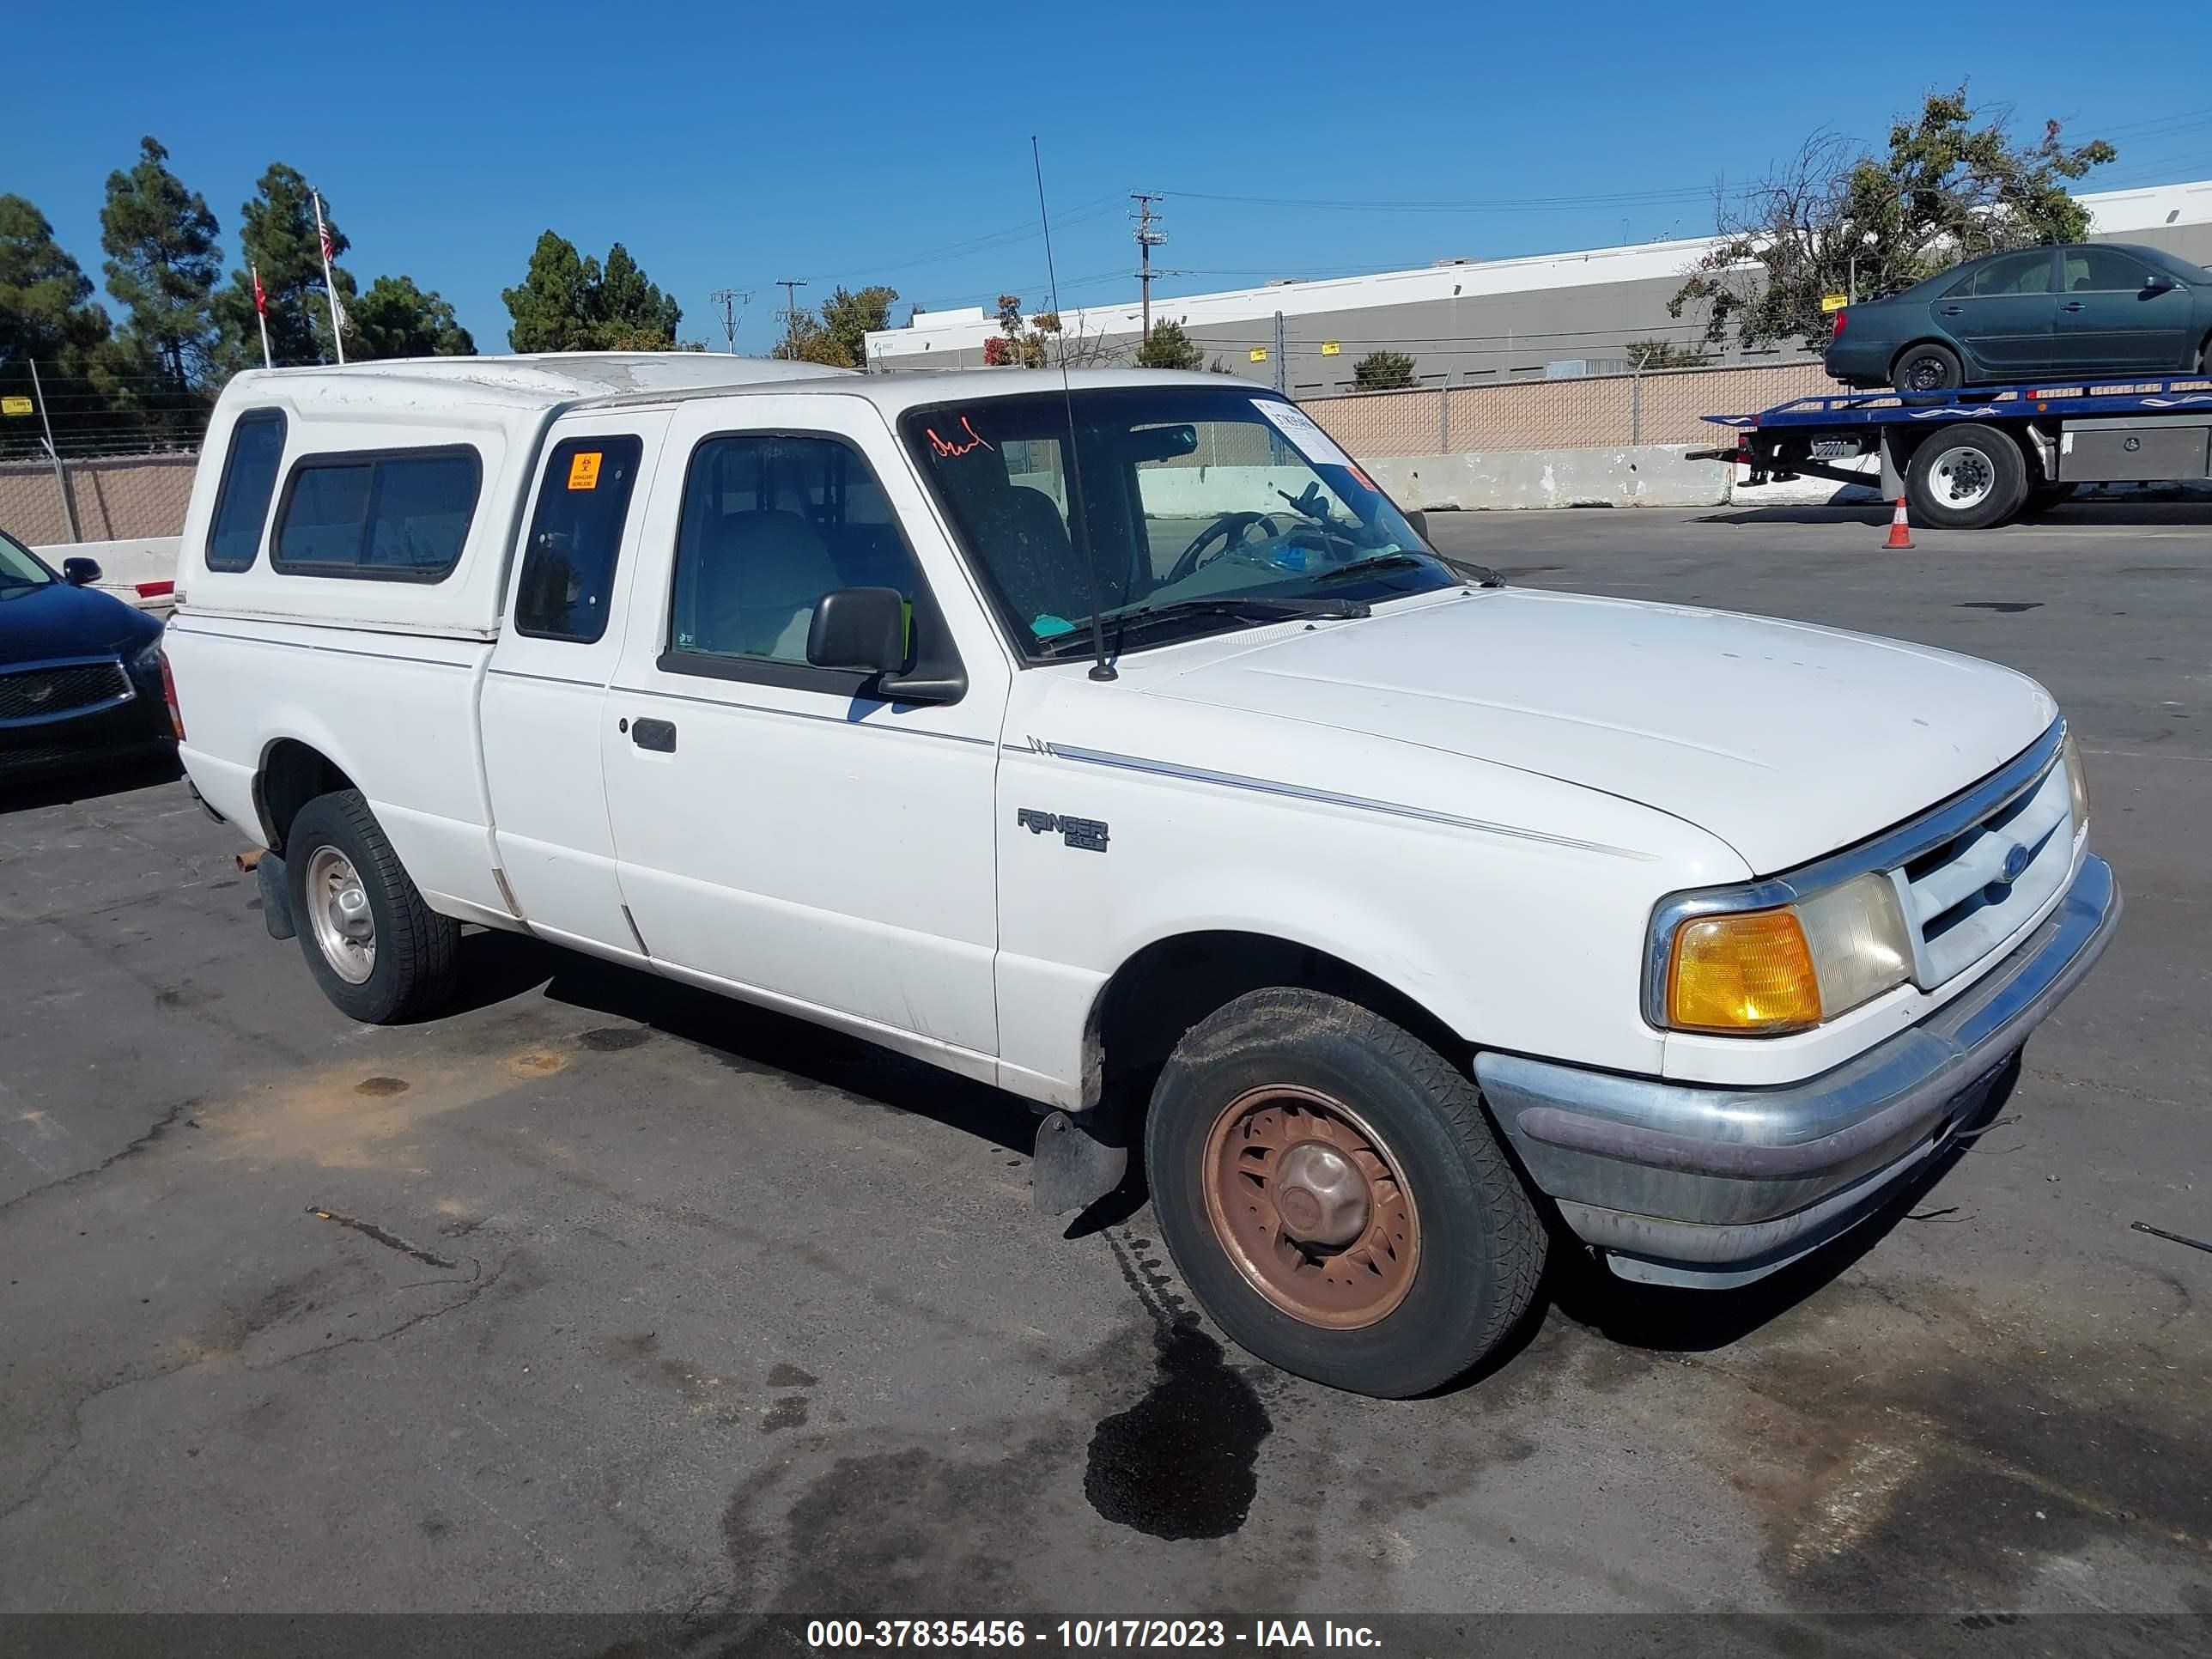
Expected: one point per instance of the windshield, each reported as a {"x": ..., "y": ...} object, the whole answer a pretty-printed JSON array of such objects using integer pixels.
[
  {"x": 19, "y": 570},
  {"x": 1200, "y": 509}
]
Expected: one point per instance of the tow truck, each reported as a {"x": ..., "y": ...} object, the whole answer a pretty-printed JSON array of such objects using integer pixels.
[{"x": 1976, "y": 456}]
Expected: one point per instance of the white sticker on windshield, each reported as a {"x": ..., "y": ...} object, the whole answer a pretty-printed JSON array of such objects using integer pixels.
[{"x": 1298, "y": 427}]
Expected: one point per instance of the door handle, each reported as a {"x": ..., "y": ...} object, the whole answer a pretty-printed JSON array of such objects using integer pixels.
[
  {"x": 1953, "y": 311},
  {"x": 657, "y": 735},
  {"x": 2073, "y": 305}
]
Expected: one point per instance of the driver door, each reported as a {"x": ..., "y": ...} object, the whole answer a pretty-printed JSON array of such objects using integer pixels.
[{"x": 780, "y": 829}]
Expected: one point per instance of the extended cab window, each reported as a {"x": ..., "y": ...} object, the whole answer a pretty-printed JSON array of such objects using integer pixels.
[
  {"x": 393, "y": 515},
  {"x": 568, "y": 563},
  {"x": 770, "y": 525},
  {"x": 249, "y": 479}
]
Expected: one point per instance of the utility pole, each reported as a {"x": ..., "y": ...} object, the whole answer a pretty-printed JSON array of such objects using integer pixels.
[
  {"x": 1282, "y": 370},
  {"x": 1149, "y": 236},
  {"x": 728, "y": 300},
  {"x": 790, "y": 315}
]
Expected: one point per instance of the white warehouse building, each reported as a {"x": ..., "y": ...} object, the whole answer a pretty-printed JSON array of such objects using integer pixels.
[{"x": 1469, "y": 322}]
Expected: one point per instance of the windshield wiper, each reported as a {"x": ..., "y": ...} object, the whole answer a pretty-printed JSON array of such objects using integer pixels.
[
  {"x": 1400, "y": 560},
  {"x": 1396, "y": 559},
  {"x": 1247, "y": 608}
]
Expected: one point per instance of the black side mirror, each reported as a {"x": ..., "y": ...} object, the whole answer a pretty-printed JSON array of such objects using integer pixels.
[
  {"x": 2161, "y": 282},
  {"x": 861, "y": 630},
  {"x": 1419, "y": 521},
  {"x": 80, "y": 573}
]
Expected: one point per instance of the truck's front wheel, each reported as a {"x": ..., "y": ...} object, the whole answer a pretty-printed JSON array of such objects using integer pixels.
[
  {"x": 380, "y": 953},
  {"x": 1331, "y": 1192}
]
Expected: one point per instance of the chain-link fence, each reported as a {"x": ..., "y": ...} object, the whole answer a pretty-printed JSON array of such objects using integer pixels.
[
  {"x": 1665, "y": 406},
  {"x": 102, "y": 498}
]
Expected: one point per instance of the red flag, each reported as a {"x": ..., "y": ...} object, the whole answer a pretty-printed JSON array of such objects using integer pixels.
[
  {"x": 329, "y": 252},
  {"x": 260, "y": 295}
]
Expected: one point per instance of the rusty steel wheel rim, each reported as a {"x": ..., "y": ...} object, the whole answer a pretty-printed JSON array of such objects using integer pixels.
[{"x": 1310, "y": 1204}]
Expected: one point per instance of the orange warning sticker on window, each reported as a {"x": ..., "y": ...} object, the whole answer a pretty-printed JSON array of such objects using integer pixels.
[{"x": 584, "y": 469}]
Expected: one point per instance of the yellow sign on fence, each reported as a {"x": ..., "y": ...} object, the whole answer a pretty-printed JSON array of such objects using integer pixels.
[
  {"x": 1330, "y": 348},
  {"x": 14, "y": 405},
  {"x": 1834, "y": 302}
]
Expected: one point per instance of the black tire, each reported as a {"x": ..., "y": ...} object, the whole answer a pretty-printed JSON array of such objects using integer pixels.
[
  {"x": 2042, "y": 497},
  {"x": 1481, "y": 1245},
  {"x": 1966, "y": 477},
  {"x": 1927, "y": 367},
  {"x": 416, "y": 950}
]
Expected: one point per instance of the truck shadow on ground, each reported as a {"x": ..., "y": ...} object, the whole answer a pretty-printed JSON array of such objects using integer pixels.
[
  {"x": 497, "y": 967},
  {"x": 2072, "y": 516},
  {"x": 761, "y": 1042},
  {"x": 92, "y": 782}
]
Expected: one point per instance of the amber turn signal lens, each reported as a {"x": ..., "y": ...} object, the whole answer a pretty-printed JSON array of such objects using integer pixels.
[{"x": 1752, "y": 971}]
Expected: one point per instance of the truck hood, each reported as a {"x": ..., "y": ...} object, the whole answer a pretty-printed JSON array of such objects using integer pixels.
[{"x": 1785, "y": 740}]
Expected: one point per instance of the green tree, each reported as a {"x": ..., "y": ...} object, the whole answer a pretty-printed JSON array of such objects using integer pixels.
[
  {"x": 1664, "y": 353},
  {"x": 1169, "y": 347},
  {"x": 395, "y": 318},
  {"x": 848, "y": 319},
  {"x": 631, "y": 309},
  {"x": 47, "y": 315},
  {"x": 276, "y": 236},
  {"x": 1955, "y": 184},
  {"x": 567, "y": 301},
  {"x": 1384, "y": 371},
  {"x": 162, "y": 265}
]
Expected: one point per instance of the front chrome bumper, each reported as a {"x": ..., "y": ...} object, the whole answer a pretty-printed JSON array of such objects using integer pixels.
[{"x": 1687, "y": 1184}]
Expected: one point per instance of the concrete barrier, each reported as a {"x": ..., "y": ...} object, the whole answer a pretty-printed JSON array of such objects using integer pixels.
[
  {"x": 1644, "y": 475},
  {"x": 125, "y": 566}
]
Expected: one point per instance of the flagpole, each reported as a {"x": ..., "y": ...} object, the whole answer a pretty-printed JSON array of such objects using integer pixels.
[
  {"x": 261, "y": 313},
  {"x": 330, "y": 286}
]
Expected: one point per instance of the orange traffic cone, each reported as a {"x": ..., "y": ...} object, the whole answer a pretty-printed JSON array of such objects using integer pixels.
[{"x": 1901, "y": 527}]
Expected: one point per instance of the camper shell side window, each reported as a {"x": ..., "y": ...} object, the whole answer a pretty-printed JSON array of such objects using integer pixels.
[{"x": 378, "y": 516}]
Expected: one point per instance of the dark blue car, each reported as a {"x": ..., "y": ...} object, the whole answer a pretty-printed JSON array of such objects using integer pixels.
[
  {"x": 79, "y": 671},
  {"x": 2077, "y": 310}
]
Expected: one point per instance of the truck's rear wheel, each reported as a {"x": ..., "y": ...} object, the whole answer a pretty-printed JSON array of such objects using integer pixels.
[
  {"x": 1966, "y": 478},
  {"x": 1330, "y": 1190},
  {"x": 380, "y": 953}
]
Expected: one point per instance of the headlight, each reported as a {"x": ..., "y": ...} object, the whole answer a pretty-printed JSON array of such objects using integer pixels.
[
  {"x": 147, "y": 659},
  {"x": 1787, "y": 968},
  {"x": 2077, "y": 781}
]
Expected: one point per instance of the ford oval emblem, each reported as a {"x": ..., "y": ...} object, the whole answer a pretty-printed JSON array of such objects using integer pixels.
[{"x": 2015, "y": 861}]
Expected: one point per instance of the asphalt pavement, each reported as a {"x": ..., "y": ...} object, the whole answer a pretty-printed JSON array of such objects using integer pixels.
[{"x": 601, "y": 1294}]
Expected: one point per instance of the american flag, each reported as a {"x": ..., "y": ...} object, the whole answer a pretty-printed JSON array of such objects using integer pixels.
[
  {"x": 329, "y": 252},
  {"x": 260, "y": 293}
]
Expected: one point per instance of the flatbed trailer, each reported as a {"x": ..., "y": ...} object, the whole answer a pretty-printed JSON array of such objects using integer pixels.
[{"x": 1980, "y": 455}]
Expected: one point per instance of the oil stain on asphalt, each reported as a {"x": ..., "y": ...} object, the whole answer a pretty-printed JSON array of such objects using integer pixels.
[{"x": 1180, "y": 1462}]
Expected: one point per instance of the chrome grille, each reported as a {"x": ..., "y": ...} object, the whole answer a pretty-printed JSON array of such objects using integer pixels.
[
  {"x": 1964, "y": 898},
  {"x": 51, "y": 690}
]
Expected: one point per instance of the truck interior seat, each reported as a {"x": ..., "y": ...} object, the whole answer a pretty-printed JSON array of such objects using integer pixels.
[{"x": 758, "y": 584}]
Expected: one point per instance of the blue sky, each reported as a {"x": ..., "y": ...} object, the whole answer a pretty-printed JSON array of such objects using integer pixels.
[{"x": 731, "y": 146}]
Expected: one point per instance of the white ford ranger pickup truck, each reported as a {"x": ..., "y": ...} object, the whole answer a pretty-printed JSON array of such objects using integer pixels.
[{"x": 1115, "y": 740}]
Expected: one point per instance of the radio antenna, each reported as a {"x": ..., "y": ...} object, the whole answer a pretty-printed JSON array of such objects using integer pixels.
[{"x": 1078, "y": 520}]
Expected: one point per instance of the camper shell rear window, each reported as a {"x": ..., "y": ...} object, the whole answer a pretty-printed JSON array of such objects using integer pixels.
[{"x": 378, "y": 516}]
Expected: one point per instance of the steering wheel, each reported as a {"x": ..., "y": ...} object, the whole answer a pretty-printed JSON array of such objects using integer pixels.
[{"x": 1230, "y": 530}]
